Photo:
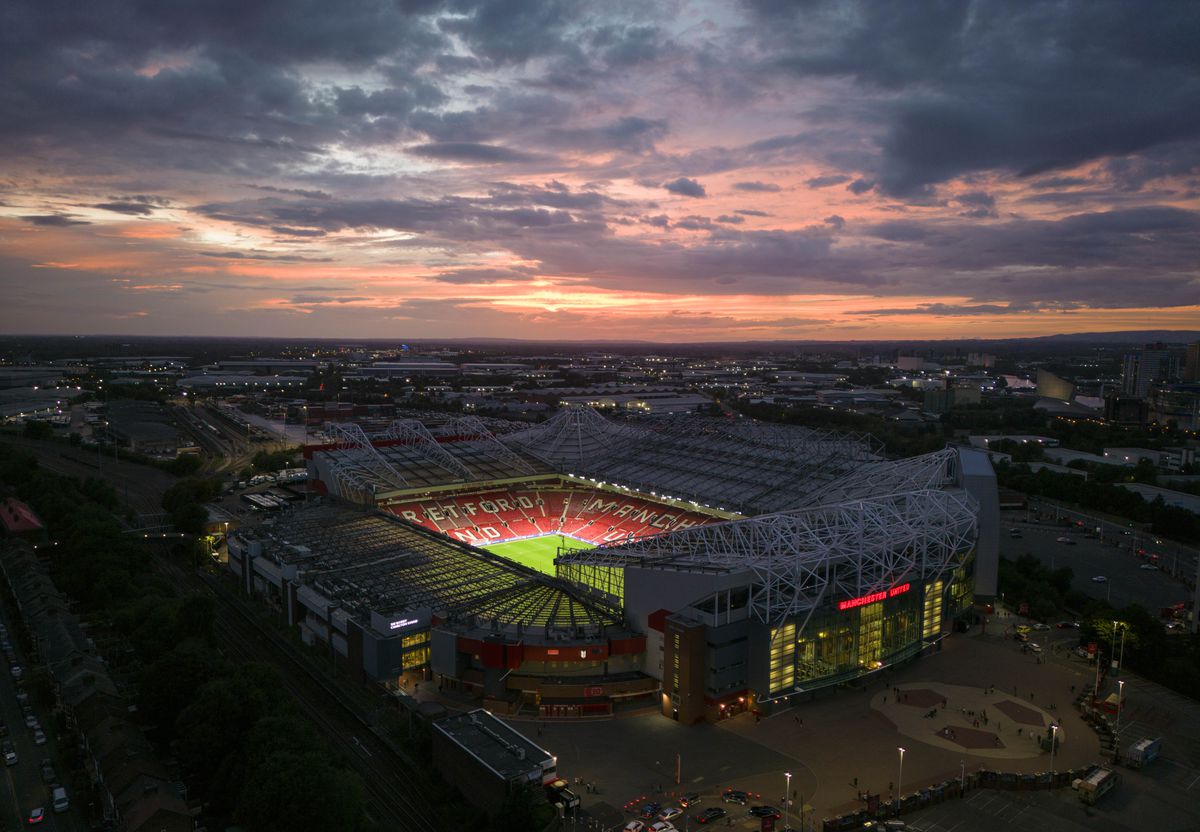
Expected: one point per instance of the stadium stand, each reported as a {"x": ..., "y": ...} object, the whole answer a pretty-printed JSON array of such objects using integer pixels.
[{"x": 590, "y": 515}]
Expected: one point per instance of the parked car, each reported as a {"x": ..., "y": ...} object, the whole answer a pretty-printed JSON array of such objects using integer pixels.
[
  {"x": 1065, "y": 540},
  {"x": 10, "y": 754},
  {"x": 39, "y": 737},
  {"x": 31, "y": 721},
  {"x": 709, "y": 815},
  {"x": 765, "y": 812},
  {"x": 48, "y": 775},
  {"x": 23, "y": 696},
  {"x": 1099, "y": 579},
  {"x": 36, "y": 816},
  {"x": 651, "y": 810},
  {"x": 670, "y": 812},
  {"x": 1082, "y": 652},
  {"x": 1040, "y": 626},
  {"x": 634, "y": 826},
  {"x": 662, "y": 826},
  {"x": 736, "y": 796},
  {"x": 689, "y": 799},
  {"x": 1067, "y": 625},
  {"x": 17, "y": 671},
  {"x": 1149, "y": 567}
]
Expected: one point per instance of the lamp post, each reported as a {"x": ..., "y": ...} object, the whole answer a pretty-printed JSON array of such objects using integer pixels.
[
  {"x": 1117, "y": 727},
  {"x": 1053, "y": 742},
  {"x": 962, "y": 776},
  {"x": 900, "y": 776},
  {"x": 787, "y": 800}
]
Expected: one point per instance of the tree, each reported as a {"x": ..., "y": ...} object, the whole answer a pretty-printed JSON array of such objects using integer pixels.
[{"x": 37, "y": 429}]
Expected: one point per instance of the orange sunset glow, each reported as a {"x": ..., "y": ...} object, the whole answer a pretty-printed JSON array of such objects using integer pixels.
[{"x": 691, "y": 172}]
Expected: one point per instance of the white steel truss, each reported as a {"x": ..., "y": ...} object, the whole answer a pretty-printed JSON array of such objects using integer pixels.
[
  {"x": 416, "y": 436},
  {"x": 358, "y": 463},
  {"x": 928, "y": 471},
  {"x": 573, "y": 437},
  {"x": 473, "y": 429},
  {"x": 798, "y": 558}
]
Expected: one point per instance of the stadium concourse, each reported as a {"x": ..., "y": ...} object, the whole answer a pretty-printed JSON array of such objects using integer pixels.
[{"x": 700, "y": 565}]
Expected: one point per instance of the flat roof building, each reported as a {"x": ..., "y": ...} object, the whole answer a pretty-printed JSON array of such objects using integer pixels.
[{"x": 487, "y": 759}]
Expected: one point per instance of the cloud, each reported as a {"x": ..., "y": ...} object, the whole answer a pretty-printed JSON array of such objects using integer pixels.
[
  {"x": 59, "y": 220},
  {"x": 860, "y": 186},
  {"x": 685, "y": 187},
  {"x": 470, "y": 152},
  {"x": 757, "y": 187},
  {"x": 732, "y": 219},
  {"x": 826, "y": 181},
  {"x": 751, "y": 212}
]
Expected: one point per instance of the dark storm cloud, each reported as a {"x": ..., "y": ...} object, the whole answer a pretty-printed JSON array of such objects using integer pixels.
[
  {"x": 759, "y": 187},
  {"x": 992, "y": 86},
  {"x": 685, "y": 187},
  {"x": 53, "y": 220}
]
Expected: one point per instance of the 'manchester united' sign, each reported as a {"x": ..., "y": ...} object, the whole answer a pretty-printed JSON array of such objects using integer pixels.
[{"x": 862, "y": 601}]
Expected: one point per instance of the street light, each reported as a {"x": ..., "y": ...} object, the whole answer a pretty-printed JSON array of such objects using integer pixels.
[
  {"x": 1053, "y": 742},
  {"x": 900, "y": 776},
  {"x": 1117, "y": 727},
  {"x": 962, "y": 776},
  {"x": 787, "y": 801}
]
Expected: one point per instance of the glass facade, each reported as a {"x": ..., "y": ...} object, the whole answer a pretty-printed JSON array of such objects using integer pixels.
[{"x": 839, "y": 645}]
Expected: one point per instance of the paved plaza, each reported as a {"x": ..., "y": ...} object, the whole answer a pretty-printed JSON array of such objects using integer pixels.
[{"x": 845, "y": 742}]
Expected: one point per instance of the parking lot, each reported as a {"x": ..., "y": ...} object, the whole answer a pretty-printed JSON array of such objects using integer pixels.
[{"x": 1113, "y": 557}]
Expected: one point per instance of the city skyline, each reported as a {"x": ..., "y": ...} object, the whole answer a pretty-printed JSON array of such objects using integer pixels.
[{"x": 689, "y": 172}]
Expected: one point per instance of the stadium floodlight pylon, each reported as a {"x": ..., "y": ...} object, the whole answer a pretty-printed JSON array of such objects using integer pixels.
[
  {"x": 803, "y": 556},
  {"x": 414, "y": 434},
  {"x": 472, "y": 429},
  {"x": 355, "y": 451}
]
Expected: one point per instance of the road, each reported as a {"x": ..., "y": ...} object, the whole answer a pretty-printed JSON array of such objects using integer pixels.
[
  {"x": 21, "y": 787},
  {"x": 1113, "y": 557}
]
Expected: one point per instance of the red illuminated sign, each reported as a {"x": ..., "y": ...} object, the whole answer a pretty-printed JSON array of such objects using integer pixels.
[{"x": 873, "y": 597}]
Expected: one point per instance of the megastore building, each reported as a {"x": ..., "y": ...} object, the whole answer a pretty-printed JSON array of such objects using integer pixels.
[{"x": 704, "y": 565}]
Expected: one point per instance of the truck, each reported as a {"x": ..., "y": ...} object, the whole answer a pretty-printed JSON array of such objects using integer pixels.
[
  {"x": 1097, "y": 784},
  {"x": 1143, "y": 751}
]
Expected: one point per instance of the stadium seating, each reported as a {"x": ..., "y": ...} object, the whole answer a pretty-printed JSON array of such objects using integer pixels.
[{"x": 498, "y": 515}]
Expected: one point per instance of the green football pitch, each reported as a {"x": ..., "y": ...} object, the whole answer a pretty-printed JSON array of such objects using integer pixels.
[{"x": 536, "y": 552}]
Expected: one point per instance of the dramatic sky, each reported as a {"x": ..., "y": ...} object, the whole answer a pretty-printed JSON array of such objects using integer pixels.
[{"x": 541, "y": 169}]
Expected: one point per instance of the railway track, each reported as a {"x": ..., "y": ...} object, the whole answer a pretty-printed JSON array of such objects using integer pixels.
[{"x": 394, "y": 797}]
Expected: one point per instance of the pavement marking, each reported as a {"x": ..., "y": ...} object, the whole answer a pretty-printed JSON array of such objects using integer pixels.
[{"x": 1189, "y": 785}]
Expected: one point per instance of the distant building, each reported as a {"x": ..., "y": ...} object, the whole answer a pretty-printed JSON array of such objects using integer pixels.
[
  {"x": 1125, "y": 410},
  {"x": 981, "y": 359},
  {"x": 1191, "y": 363},
  {"x": 1145, "y": 368},
  {"x": 1053, "y": 387}
]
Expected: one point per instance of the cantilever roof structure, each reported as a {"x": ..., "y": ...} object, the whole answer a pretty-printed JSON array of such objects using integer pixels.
[
  {"x": 740, "y": 465},
  {"x": 377, "y": 563},
  {"x": 864, "y": 533}
]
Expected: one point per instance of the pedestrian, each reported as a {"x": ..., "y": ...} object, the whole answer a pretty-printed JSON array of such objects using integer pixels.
[
  {"x": 802, "y": 723},
  {"x": 885, "y": 700}
]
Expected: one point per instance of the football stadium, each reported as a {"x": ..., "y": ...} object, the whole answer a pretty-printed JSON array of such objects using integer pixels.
[{"x": 583, "y": 565}]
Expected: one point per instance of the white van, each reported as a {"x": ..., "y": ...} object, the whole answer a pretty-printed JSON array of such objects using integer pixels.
[{"x": 61, "y": 802}]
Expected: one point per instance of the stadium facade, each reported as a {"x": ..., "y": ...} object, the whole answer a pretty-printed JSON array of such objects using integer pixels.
[{"x": 707, "y": 565}]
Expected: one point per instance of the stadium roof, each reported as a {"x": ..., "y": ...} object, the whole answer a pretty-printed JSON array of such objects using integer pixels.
[
  {"x": 869, "y": 531},
  {"x": 743, "y": 465},
  {"x": 377, "y": 563}
]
